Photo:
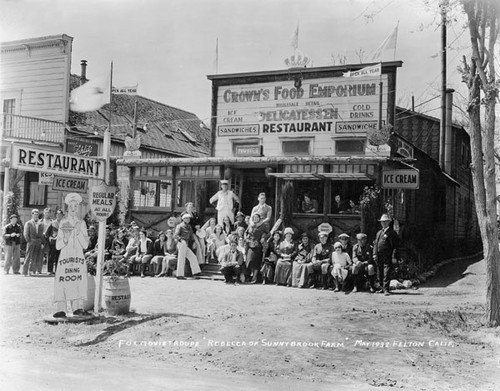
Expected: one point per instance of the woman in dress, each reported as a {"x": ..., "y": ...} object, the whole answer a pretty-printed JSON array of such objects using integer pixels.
[
  {"x": 169, "y": 261},
  {"x": 216, "y": 240},
  {"x": 255, "y": 237},
  {"x": 300, "y": 272},
  {"x": 341, "y": 263},
  {"x": 227, "y": 226},
  {"x": 158, "y": 253},
  {"x": 271, "y": 258},
  {"x": 71, "y": 274},
  {"x": 286, "y": 255}
]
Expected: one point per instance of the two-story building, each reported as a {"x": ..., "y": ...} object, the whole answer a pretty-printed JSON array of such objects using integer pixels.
[{"x": 321, "y": 132}]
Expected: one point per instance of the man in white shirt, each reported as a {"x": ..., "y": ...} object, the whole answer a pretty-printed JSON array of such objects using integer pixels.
[{"x": 225, "y": 202}]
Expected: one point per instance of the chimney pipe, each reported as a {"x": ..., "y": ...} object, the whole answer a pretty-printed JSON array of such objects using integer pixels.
[
  {"x": 448, "y": 137},
  {"x": 83, "y": 76}
]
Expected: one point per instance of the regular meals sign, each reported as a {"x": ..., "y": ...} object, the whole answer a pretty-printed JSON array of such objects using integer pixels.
[{"x": 54, "y": 162}]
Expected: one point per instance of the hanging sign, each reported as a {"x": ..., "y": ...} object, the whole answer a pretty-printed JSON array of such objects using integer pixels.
[
  {"x": 401, "y": 179},
  {"x": 70, "y": 184},
  {"x": 102, "y": 200}
]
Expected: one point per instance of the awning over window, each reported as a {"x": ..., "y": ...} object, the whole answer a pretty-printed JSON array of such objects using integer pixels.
[
  {"x": 360, "y": 176},
  {"x": 297, "y": 175},
  {"x": 324, "y": 175}
]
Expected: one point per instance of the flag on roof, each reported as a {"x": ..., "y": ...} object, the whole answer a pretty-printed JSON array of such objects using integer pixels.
[
  {"x": 387, "y": 48},
  {"x": 90, "y": 96},
  {"x": 295, "y": 38}
]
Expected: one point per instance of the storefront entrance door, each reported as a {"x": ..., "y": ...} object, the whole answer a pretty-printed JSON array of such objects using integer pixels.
[{"x": 251, "y": 183}]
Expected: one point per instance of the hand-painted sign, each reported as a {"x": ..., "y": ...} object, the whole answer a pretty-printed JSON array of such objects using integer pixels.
[
  {"x": 70, "y": 184},
  {"x": 102, "y": 201},
  {"x": 401, "y": 179},
  {"x": 45, "y": 179},
  {"x": 54, "y": 162}
]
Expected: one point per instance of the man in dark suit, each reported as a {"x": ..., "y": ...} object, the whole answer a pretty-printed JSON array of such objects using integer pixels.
[{"x": 385, "y": 247}]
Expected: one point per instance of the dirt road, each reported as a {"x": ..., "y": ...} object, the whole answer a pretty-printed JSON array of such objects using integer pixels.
[{"x": 201, "y": 334}]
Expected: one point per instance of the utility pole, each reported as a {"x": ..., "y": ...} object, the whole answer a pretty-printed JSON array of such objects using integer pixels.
[{"x": 442, "y": 130}]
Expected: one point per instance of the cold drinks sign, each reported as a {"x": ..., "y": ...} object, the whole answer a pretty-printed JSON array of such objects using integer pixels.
[{"x": 400, "y": 179}]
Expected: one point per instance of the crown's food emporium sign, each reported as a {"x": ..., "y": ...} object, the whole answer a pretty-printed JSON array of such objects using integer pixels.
[
  {"x": 54, "y": 162},
  {"x": 102, "y": 201}
]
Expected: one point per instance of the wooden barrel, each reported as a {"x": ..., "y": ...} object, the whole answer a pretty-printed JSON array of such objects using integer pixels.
[
  {"x": 117, "y": 295},
  {"x": 88, "y": 304}
]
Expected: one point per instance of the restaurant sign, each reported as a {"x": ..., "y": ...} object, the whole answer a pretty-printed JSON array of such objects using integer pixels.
[
  {"x": 26, "y": 158},
  {"x": 401, "y": 179}
]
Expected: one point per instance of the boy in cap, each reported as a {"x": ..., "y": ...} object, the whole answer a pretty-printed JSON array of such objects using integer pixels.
[
  {"x": 385, "y": 247},
  {"x": 363, "y": 263},
  {"x": 225, "y": 202},
  {"x": 12, "y": 236}
]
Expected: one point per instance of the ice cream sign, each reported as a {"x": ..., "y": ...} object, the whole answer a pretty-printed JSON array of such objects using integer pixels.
[{"x": 401, "y": 179}]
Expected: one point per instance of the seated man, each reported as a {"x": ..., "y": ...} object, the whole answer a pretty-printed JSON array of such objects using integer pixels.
[
  {"x": 321, "y": 260},
  {"x": 230, "y": 263},
  {"x": 363, "y": 263},
  {"x": 144, "y": 252}
]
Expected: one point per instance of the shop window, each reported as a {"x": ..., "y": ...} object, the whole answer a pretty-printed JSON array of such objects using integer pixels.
[
  {"x": 343, "y": 192},
  {"x": 296, "y": 147},
  {"x": 153, "y": 194},
  {"x": 315, "y": 191},
  {"x": 350, "y": 146},
  {"x": 35, "y": 195}
]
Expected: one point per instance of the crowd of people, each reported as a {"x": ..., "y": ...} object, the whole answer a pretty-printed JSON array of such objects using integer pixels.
[{"x": 247, "y": 249}]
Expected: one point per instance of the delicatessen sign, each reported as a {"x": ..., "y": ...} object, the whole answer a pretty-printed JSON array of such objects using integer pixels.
[{"x": 327, "y": 105}]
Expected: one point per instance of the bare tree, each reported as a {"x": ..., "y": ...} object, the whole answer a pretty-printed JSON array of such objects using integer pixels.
[{"x": 483, "y": 17}]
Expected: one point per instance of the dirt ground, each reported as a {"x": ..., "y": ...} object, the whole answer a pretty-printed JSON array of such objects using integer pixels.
[{"x": 203, "y": 334}]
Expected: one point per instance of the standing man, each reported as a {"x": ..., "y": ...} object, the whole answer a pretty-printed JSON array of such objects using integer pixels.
[
  {"x": 50, "y": 237},
  {"x": 264, "y": 210},
  {"x": 185, "y": 239},
  {"x": 385, "y": 247},
  {"x": 225, "y": 199},
  {"x": 33, "y": 234},
  {"x": 12, "y": 236}
]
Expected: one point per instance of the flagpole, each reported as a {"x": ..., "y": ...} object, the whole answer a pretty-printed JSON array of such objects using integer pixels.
[
  {"x": 101, "y": 236},
  {"x": 217, "y": 56}
]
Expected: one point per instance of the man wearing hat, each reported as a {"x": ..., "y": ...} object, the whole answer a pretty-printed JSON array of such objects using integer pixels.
[
  {"x": 363, "y": 263},
  {"x": 321, "y": 260},
  {"x": 264, "y": 210},
  {"x": 240, "y": 221},
  {"x": 33, "y": 234},
  {"x": 225, "y": 200},
  {"x": 12, "y": 235},
  {"x": 185, "y": 239},
  {"x": 385, "y": 247}
]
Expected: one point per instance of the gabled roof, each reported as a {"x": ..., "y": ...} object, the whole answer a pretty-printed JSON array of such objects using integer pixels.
[
  {"x": 162, "y": 128},
  {"x": 421, "y": 130}
]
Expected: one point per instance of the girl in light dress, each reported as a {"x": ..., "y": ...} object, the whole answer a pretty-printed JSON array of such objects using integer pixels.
[{"x": 341, "y": 263}]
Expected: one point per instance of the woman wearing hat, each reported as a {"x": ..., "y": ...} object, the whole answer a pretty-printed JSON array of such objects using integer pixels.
[
  {"x": 299, "y": 269},
  {"x": 271, "y": 257},
  {"x": 287, "y": 252},
  {"x": 255, "y": 236}
]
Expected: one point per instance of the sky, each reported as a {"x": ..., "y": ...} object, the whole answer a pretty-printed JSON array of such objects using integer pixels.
[{"x": 168, "y": 47}]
